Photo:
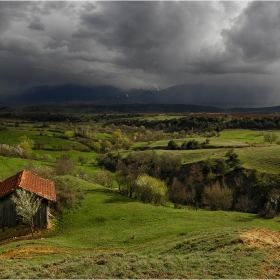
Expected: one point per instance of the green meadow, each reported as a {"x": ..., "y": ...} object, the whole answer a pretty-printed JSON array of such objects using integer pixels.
[{"x": 110, "y": 236}]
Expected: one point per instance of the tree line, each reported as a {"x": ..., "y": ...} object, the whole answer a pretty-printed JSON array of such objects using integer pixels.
[{"x": 211, "y": 184}]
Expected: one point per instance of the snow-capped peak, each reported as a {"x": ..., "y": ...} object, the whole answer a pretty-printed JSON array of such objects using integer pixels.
[{"x": 151, "y": 87}]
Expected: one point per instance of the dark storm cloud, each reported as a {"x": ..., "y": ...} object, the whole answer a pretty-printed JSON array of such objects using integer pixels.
[
  {"x": 255, "y": 35},
  {"x": 133, "y": 43},
  {"x": 140, "y": 31},
  {"x": 250, "y": 45},
  {"x": 37, "y": 26}
]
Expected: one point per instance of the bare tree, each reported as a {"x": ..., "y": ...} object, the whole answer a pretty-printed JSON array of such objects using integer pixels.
[
  {"x": 27, "y": 205},
  {"x": 217, "y": 197}
]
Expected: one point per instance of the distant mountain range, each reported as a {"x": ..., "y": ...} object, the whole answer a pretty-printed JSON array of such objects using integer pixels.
[{"x": 237, "y": 98}]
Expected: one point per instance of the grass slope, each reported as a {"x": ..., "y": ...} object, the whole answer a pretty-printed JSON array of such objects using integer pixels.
[{"x": 111, "y": 236}]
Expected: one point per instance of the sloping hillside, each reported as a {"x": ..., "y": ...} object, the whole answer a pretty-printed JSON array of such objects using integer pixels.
[{"x": 111, "y": 236}]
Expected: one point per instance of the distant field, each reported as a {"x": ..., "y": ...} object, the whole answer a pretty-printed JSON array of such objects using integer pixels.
[
  {"x": 245, "y": 135},
  {"x": 214, "y": 142},
  {"x": 192, "y": 156},
  {"x": 163, "y": 117},
  {"x": 265, "y": 159},
  {"x": 262, "y": 156}
]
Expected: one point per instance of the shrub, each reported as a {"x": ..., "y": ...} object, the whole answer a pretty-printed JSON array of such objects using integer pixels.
[
  {"x": 47, "y": 157},
  {"x": 191, "y": 145},
  {"x": 66, "y": 197},
  {"x": 246, "y": 204},
  {"x": 83, "y": 160},
  {"x": 65, "y": 167},
  {"x": 41, "y": 170},
  {"x": 217, "y": 197},
  {"x": 103, "y": 178},
  {"x": 270, "y": 137},
  {"x": 231, "y": 154},
  {"x": 172, "y": 145},
  {"x": 178, "y": 206},
  {"x": 149, "y": 189}
]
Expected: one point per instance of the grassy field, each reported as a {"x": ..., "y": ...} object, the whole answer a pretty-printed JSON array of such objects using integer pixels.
[
  {"x": 253, "y": 152},
  {"x": 246, "y": 135},
  {"x": 215, "y": 142},
  {"x": 111, "y": 236}
]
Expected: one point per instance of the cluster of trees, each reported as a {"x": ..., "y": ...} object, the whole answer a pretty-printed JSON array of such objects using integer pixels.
[
  {"x": 139, "y": 167},
  {"x": 197, "y": 124},
  {"x": 187, "y": 145},
  {"x": 10, "y": 151},
  {"x": 211, "y": 184}
]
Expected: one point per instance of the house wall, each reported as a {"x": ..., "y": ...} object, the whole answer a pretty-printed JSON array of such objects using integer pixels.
[
  {"x": 9, "y": 218},
  {"x": 41, "y": 218}
]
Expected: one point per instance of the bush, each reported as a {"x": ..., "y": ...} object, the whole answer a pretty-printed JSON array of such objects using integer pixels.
[
  {"x": 178, "y": 206},
  {"x": 217, "y": 197},
  {"x": 246, "y": 204},
  {"x": 103, "y": 178},
  {"x": 66, "y": 197},
  {"x": 231, "y": 154},
  {"x": 149, "y": 189},
  {"x": 172, "y": 145},
  {"x": 191, "y": 145},
  {"x": 47, "y": 157},
  {"x": 41, "y": 170},
  {"x": 65, "y": 167}
]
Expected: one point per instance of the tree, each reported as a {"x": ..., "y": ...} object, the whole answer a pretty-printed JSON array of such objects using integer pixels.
[
  {"x": 172, "y": 145},
  {"x": 231, "y": 154},
  {"x": 270, "y": 137},
  {"x": 96, "y": 146},
  {"x": 69, "y": 134},
  {"x": 66, "y": 197},
  {"x": 65, "y": 167},
  {"x": 27, "y": 205},
  {"x": 41, "y": 170},
  {"x": 177, "y": 192},
  {"x": 150, "y": 189},
  {"x": 217, "y": 197},
  {"x": 26, "y": 144},
  {"x": 103, "y": 178},
  {"x": 82, "y": 160}
]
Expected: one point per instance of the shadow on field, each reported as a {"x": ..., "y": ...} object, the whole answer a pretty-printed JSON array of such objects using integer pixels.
[
  {"x": 251, "y": 218},
  {"x": 113, "y": 196}
]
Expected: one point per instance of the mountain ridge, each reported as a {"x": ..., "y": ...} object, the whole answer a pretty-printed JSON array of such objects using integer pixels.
[{"x": 191, "y": 94}]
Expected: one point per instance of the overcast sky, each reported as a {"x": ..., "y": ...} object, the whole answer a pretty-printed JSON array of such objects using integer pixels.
[{"x": 131, "y": 44}]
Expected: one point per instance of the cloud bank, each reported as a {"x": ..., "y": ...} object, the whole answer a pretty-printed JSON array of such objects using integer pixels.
[{"x": 130, "y": 44}]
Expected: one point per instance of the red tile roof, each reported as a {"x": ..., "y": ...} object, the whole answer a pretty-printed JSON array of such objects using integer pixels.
[{"x": 30, "y": 182}]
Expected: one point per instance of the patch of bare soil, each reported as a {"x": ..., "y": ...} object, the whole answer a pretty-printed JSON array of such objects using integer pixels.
[
  {"x": 269, "y": 241},
  {"x": 27, "y": 251},
  {"x": 31, "y": 250}
]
